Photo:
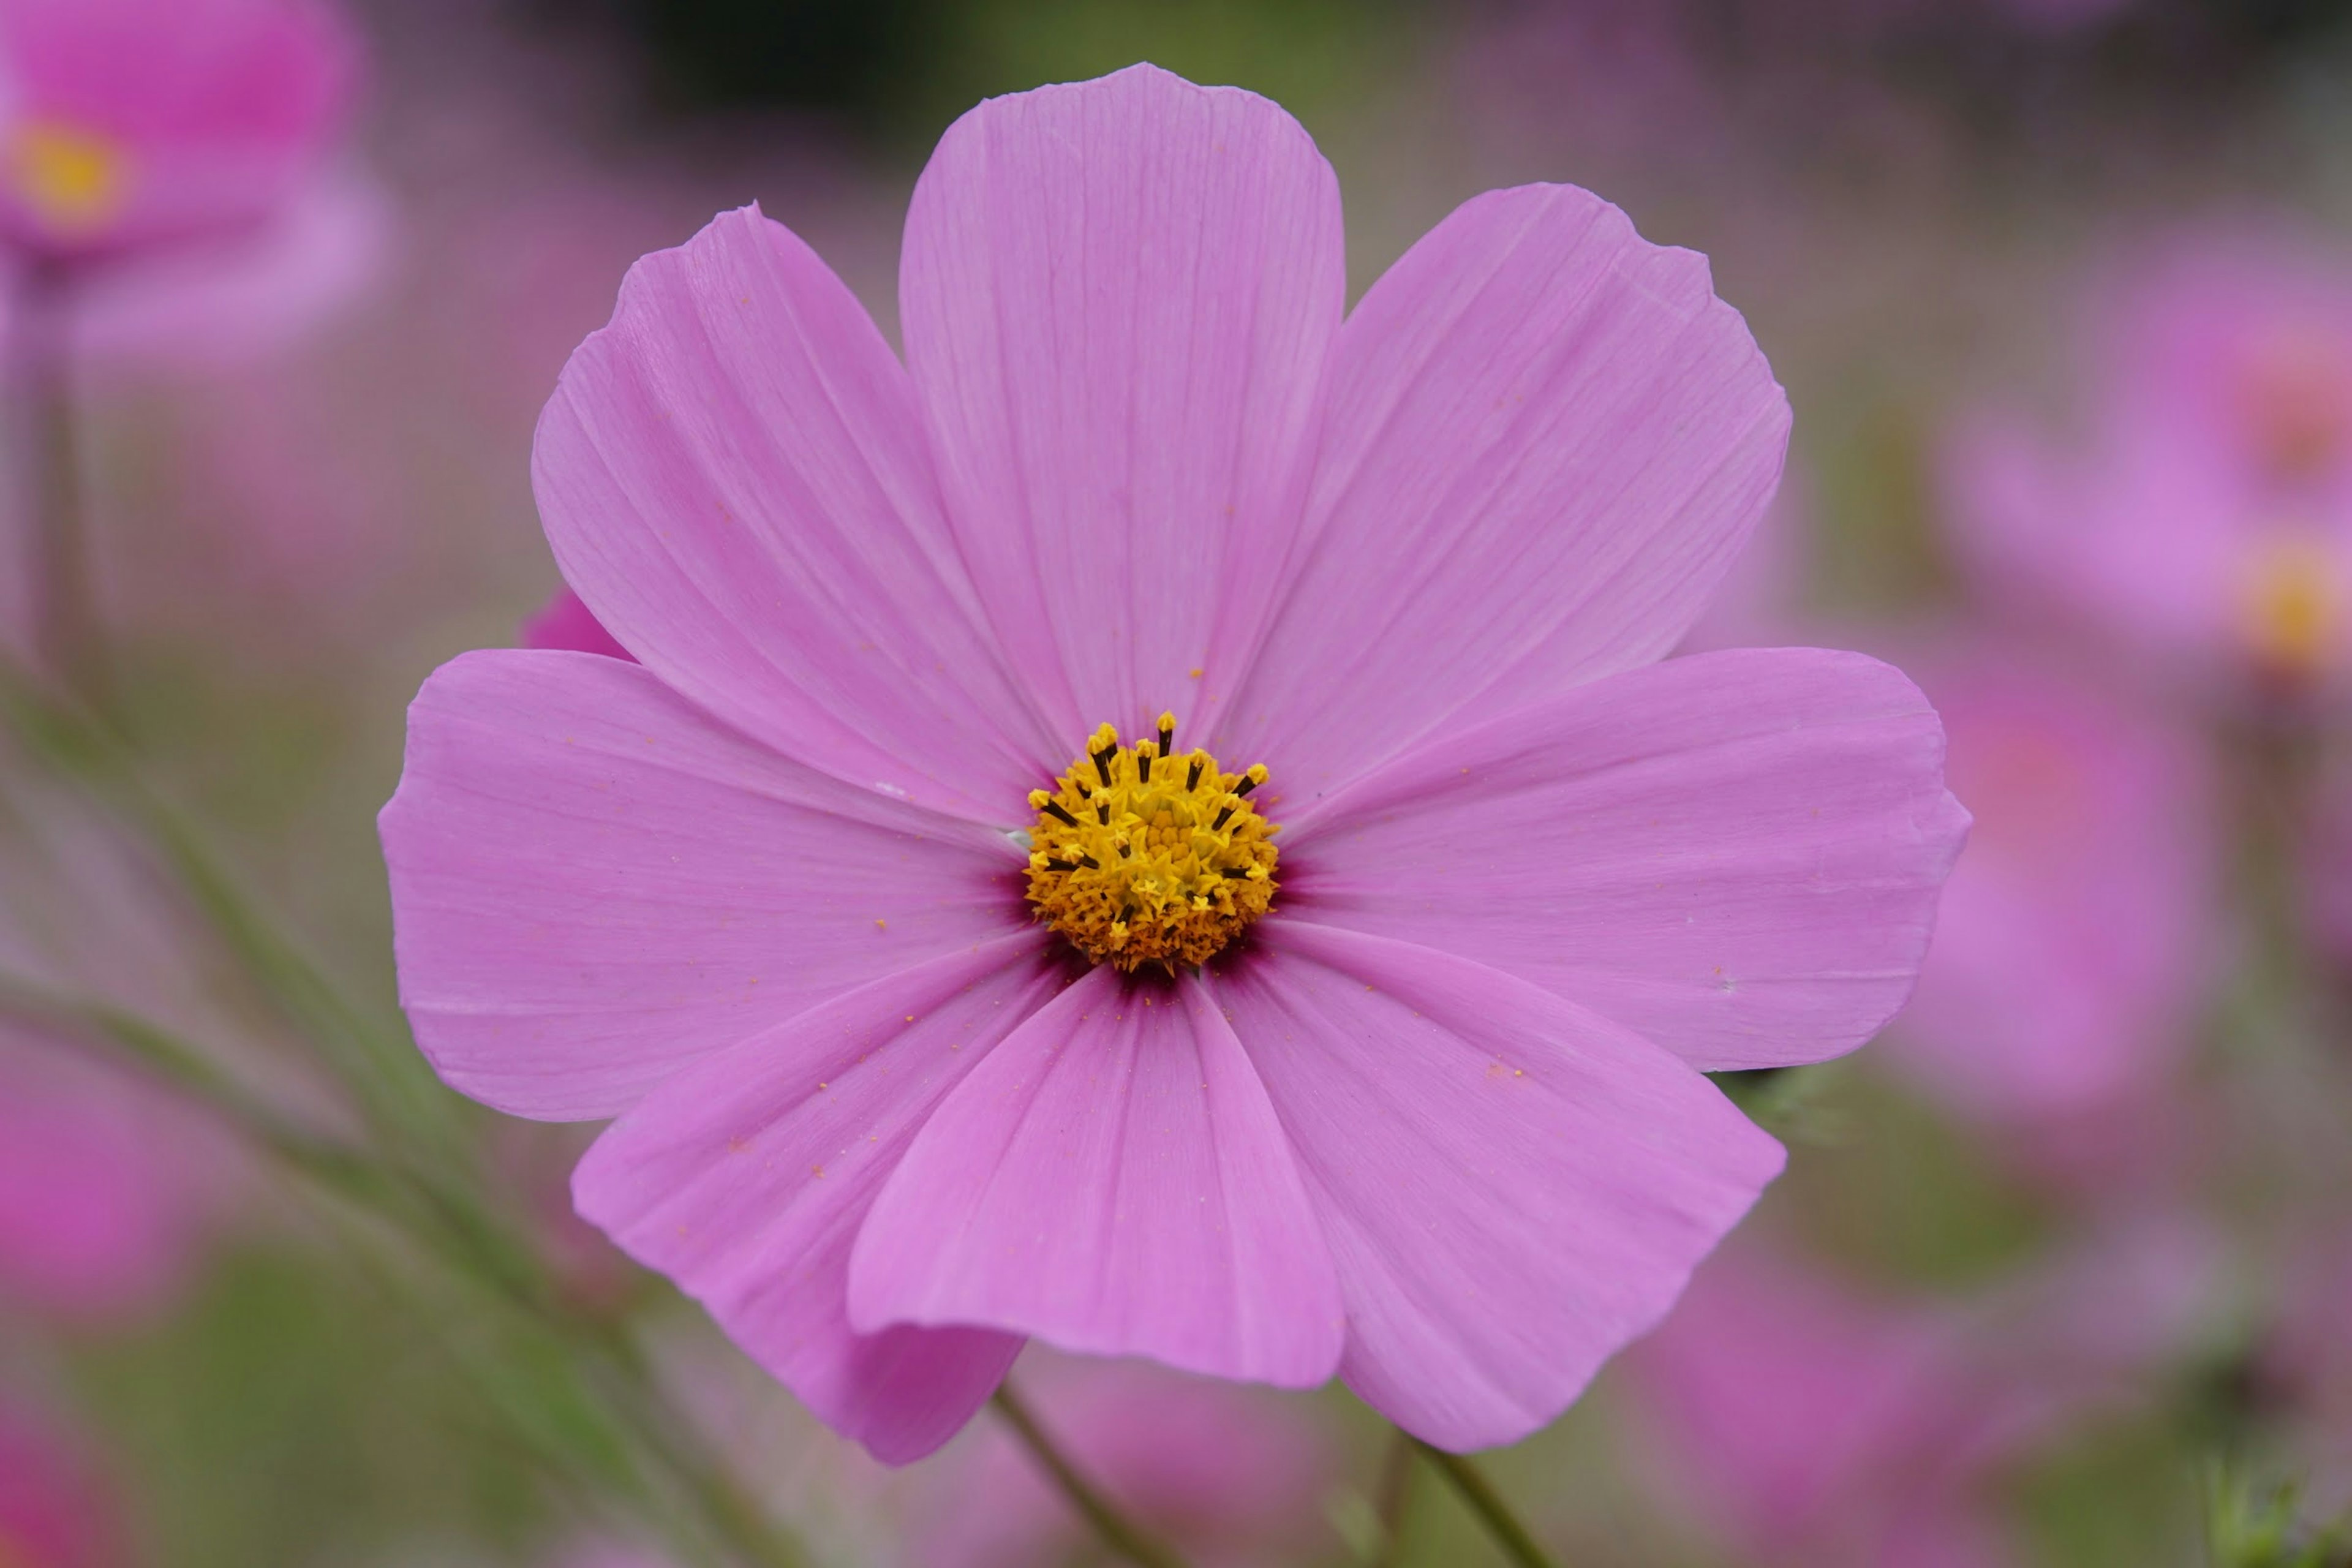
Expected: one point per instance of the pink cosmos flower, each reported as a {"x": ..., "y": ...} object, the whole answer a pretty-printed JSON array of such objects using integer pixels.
[
  {"x": 918, "y": 1050},
  {"x": 53, "y": 1511},
  {"x": 130, "y": 124},
  {"x": 167, "y": 192},
  {"x": 2206, "y": 518},
  {"x": 2077, "y": 940},
  {"x": 1230, "y": 1479}
]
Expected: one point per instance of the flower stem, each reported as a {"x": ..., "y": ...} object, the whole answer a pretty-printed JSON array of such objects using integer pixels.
[
  {"x": 471, "y": 1247},
  {"x": 379, "y": 1065},
  {"x": 1394, "y": 1501},
  {"x": 67, "y": 631},
  {"x": 1488, "y": 1503},
  {"x": 1117, "y": 1531}
]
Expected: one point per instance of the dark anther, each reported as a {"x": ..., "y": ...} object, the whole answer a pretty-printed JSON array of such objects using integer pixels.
[
  {"x": 1054, "y": 808},
  {"x": 1090, "y": 863},
  {"x": 1167, "y": 739},
  {"x": 1221, "y": 819},
  {"x": 1061, "y": 864},
  {"x": 1124, "y": 853},
  {"x": 1143, "y": 766},
  {"x": 1102, "y": 763},
  {"x": 1193, "y": 779},
  {"x": 1102, "y": 812},
  {"x": 1236, "y": 872},
  {"x": 1241, "y": 789}
]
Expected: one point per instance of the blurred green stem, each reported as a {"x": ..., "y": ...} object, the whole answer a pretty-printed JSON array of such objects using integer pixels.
[
  {"x": 67, "y": 630},
  {"x": 1488, "y": 1503},
  {"x": 1122, "y": 1535},
  {"x": 383, "y": 1069},
  {"x": 612, "y": 1372},
  {"x": 1393, "y": 1503}
]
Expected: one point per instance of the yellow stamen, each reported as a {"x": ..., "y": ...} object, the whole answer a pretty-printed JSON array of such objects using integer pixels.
[
  {"x": 73, "y": 180},
  {"x": 2294, "y": 606},
  {"x": 1143, "y": 855}
]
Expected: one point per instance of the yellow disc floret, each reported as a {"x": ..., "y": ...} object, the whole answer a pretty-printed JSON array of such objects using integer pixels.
[
  {"x": 2295, "y": 610},
  {"x": 74, "y": 180},
  {"x": 1143, "y": 855}
]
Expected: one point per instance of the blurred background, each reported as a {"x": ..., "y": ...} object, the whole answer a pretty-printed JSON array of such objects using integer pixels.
[{"x": 2061, "y": 1273}]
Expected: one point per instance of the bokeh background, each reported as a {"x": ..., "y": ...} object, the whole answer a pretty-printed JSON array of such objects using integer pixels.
[{"x": 2061, "y": 1273}]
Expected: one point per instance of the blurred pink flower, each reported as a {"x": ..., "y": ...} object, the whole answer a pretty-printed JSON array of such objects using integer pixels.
[
  {"x": 169, "y": 192},
  {"x": 2077, "y": 937},
  {"x": 2207, "y": 515},
  {"x": 1228, "y": 1476},
  {"x": 53, "y": 1511},
  {"x": 763, "y": 896},
  {"x": 108, "y": 1188},
  {"x": 130, "y": 124},
  {"x": 1805, "y": 1423}
]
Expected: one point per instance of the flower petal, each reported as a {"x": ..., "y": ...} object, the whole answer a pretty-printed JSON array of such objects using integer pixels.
[
  {"x": 1119, "y": 298},
  {"x": 745, "y": 1178},
  {"x": 1546, "y": 440},
  {"x": 1112, "y": 1181},
  {"x": 1512, "y": 1187},
  {"x": 732, "y": 475},
  {"x": 594, "y": 883},
  {"x": 1735, "y": 854}
]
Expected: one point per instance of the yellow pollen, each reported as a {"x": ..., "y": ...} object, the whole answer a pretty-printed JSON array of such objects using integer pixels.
[
  {"x": 2294, "y": 606},
  {"x": 1145, "y": 855},
  {"x": 73, "y": 180}
]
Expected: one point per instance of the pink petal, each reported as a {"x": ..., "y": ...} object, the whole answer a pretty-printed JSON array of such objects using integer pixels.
[
  {"x": 199, "y": 307},
  {"x": 1735, "y": 854},
  {"x": 1546, "y": 441},
  {"x": 732, "y": 475},
  {"x": 594, "y": 883},
  {"x": 1120, "y": 301},
  {"x": 746, "y": 1177},
  {"x": 1512, "y": 1187},
  {"x": 563, "y": 622},
  {"x": 1112, "y": 1181}
]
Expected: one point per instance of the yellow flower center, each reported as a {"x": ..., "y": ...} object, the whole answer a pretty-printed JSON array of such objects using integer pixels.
[
  {"x": 2294, "y": 598},
  {"x": 1142, "y": 855},
  {"x": 73, "y": 180}
]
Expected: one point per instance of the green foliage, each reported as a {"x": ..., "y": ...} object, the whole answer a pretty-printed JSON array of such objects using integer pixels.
[{"x": 2254, "y": 1526}]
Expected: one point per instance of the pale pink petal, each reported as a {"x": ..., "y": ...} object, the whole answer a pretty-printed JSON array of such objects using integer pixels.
[
  {"x": 563, "y": 622},
  {"x": 732, "y": 475},
  {"x": 196, "y": 307},
  {"x": 1546, "y": 441},
  {"x": 1111, "y": 1181},
  {"x": 1119, "y": 298},
  {"x": 745, "y": 1179},
  {"x": 1737, "y": 854},
  {"x": 1512, "y": 1187},
  {"x": 594, "y": 883}
]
